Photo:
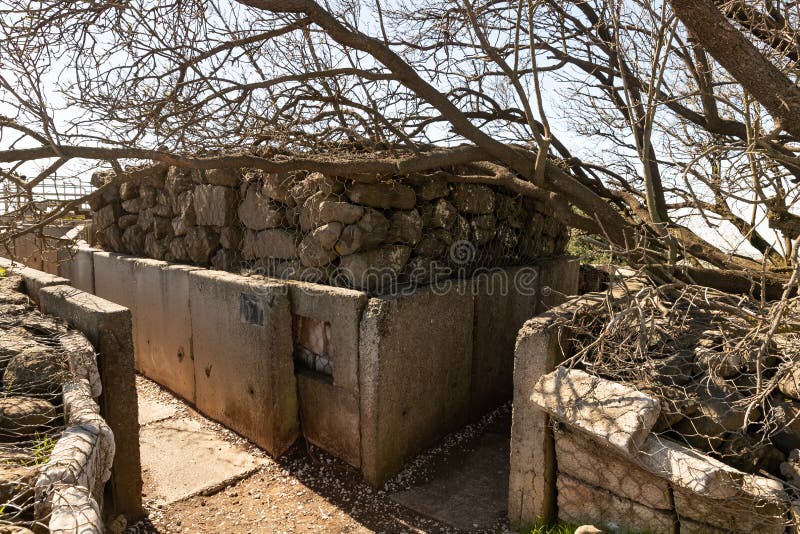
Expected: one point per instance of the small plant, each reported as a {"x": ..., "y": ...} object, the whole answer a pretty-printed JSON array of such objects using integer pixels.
[
  {"x": 2, "y": 273},
  {"x": 43, "y": 445},
  {"x": 559, "y": 528}
]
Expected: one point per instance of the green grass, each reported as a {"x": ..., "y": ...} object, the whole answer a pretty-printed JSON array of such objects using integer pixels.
[
  {"x": 559, "y": 528},
  {"x": 43, "y": 446}
]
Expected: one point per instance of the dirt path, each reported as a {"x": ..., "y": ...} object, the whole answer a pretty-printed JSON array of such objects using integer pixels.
[{"x": 200, "y": 477}]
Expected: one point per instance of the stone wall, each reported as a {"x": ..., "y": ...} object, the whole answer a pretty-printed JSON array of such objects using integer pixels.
[
  {"x": 583, "y": 450},
  {"x": 322, "y": 228}
]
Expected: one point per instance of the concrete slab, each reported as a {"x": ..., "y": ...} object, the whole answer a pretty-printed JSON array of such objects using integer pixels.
[
  {"x": 151, "y": 411},
  {"x": 163, "y": 335},
  {"x": 108, "y": 327},
  {"x": 182, "y": 459},
  {"x": 415, "y": 361},
  {"x": 469, "y": 493},
  {"x": 242, "y": 339},
  {"x": 114, "y": 279},
  {"x": 77, "y": 265},
  {"x": 330, "y": 411},
  {"x": 504, "y": 300}
]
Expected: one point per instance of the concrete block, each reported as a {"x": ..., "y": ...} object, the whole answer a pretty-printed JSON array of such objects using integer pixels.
[
  {"x": 330, "y": 411},
  {"x": 342, "y": 309},
  {"x": 108, "y": 327},
  {"x": 558, "y": 280},
  {"x": 414, "y": 368},
  {"x": 739, "y": 515},
  {"x": 163, "y": 334},
  {"x": 581, "y": 503},
  {"x": 35, "y": 280},
  {"x": 330, "y": 417},
  {"x": 242, "y": 339},
  {"x": 504, "y": 300},
  {"x": 532, "y": 482},
  {"x": 610, "y": 412},
  {"x": 599, "y": 466},
  {"x": 77, "y": 265},
  {"x": 114, "y": 279}
]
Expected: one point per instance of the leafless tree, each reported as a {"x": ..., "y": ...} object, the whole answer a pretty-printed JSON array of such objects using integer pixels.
[{"x": 691, "y": 104}]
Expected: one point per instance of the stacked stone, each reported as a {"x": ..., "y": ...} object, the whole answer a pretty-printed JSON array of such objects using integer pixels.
[
  {"x": 323, "y": 228},
  {"x": 613, "y": 470}
]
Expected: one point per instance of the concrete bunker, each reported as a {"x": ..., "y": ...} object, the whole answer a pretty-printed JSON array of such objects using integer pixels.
[{"x": 370, "y": 319}]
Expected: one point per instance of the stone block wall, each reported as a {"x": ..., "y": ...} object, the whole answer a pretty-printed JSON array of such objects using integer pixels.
[
  {"x": 322, "y": 228},
  {"x": 583, "y": 450}
]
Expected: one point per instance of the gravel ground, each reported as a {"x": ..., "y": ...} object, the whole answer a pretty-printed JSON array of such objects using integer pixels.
[{"x": 306, "y": 490}]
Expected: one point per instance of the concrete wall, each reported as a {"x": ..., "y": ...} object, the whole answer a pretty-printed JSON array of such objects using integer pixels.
[
  {"x": 108, "y": 327},
  {"x": 329, "y": 409},
  {"x": 77, "y": 265},
  {"x": 163, "y": 327},
  {"x": 415, "y": 368},
  {"x": 406, "y": 370},
  {"x": 242, "y": 339}
]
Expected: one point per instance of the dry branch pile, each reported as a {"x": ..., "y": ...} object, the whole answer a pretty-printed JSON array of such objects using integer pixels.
[{"x": 726, "y": 369}]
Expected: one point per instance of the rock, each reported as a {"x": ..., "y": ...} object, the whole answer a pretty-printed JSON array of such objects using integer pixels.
[
  {"x": 145, "y": 221},
  {"x": 433, "y": 189},
  {"x": 789, "y": 384},
  {"x": 178, "y": 180},
  {"x": 133, "y": 240},
  {"x": 34, "y": 371},
  {"x": 180, "y": 226},
  {"x": 21, "y": 416},
  {"x": 610, "y": 412},
  {"x": 786, "y": 415},
  {"x": 750, "y": 454},
  {"x": 14, "y": 529},
  {"x": 258, "y": 212},
  {"x": 473, "y": 199},
  {"x": 462, "y": 230},
  {"x": 443, "y": 215},
  {"x": 726, "y": 364},
  {"x": 350, "y": 240},
  {"x": 178, "y": 250},
  {"x": 162, "y": 209},
  {"x": 201, "y": 243},
  {"x": 421, "y": 270},
  {"x": 790, "y": 469},
  {"x": 128, "y": 190},
  {"x": 328, "y": 234},
  {"x": 227, "y": 260},
  {"x": 17, "y": 482},
  {"x": 405, "y": 228},
  {"x": 375, "y": 270},
  {"x": 225, "y": 177},
  {"x": 277, "y": 186},
  {"x": 309, "y": 211},
  {"x": 13, "y": 341},
  {"x": 230, "y": 237},
  {"x": 147, "y": 196},
  {"x": 431, "y": 246},
  {"x": 718, "y": 414},
  {"x": 126, "y": 221},
  {"x": 112, "y": 238},
  {"x": 162, "y": 227},
  {"x": 674, "y": 370},
  {"x": 510, "y": 210},
  {"x": 374, "y": 229},
  {"x": 184, "y": 205},
  {"x": 484, "y": 228},
  {"x": 588, "y": 529},
  {"x": 269, "y": 244},
  {"x": 315, "y": 183},
  {"x": 313, "y": 254},
  {"x": 214, "y": 205},
  {"x": 386, "y": 195},
  {"x": 335, "y": 211},
  {"x": 154, "y": 247},
  {"x": 107, "y": 215}
]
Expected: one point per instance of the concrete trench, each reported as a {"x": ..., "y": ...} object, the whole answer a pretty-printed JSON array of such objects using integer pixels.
[{"x": 373, "y": 381}]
